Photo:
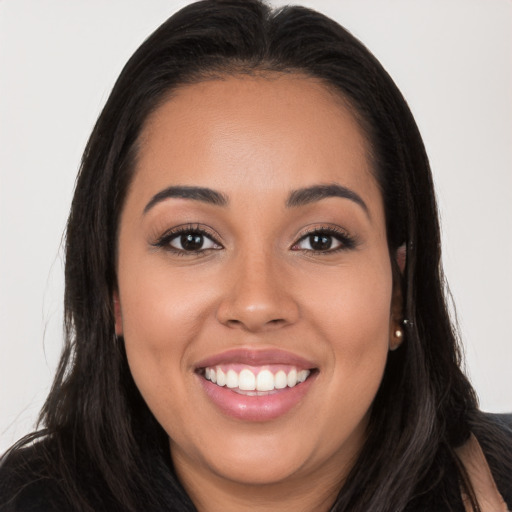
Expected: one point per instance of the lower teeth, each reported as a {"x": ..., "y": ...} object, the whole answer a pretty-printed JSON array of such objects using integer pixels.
[{"x": 254, "y": 393}]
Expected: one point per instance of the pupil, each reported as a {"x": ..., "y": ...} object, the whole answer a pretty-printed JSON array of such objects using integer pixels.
[
  {"x": 320, "y": 242},
  {"x": 192, "y": 242}
]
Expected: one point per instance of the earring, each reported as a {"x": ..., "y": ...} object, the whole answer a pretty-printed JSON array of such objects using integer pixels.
[{"x": 398, "y": 335}]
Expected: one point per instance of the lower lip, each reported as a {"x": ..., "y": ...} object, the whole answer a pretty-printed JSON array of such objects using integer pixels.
[{"x": 256, "y": 408}]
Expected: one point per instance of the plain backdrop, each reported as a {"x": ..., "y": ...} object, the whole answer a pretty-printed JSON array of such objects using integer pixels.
[{"x": 452, "y": 59}]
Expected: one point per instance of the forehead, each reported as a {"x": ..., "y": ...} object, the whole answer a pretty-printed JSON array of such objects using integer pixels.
[{"x": 279, "y": 130}]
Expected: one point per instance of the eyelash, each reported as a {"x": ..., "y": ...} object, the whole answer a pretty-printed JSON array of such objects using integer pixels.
[
  {"x": 165, "y": 240},
  {"x": 346, "y": 241}
]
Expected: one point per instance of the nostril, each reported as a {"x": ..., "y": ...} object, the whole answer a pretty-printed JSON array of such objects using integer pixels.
[{"x": 276, "y": 322}]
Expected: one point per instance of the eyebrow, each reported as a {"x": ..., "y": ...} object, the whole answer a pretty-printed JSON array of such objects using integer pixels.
[
  {"x": 299, "y": 197},
  {"x": 304, "y": 196},
  {"x": 203, "y": 194}
]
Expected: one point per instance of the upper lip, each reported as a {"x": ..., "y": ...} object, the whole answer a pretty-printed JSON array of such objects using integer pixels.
[{"x": 252, "y": 357}]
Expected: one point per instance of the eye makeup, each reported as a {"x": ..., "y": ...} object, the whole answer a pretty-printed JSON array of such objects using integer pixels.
[
  {"x": 325, "y": 240},
  {"x": 188, "y": 240},
  {"x": 197, "y": 239}
]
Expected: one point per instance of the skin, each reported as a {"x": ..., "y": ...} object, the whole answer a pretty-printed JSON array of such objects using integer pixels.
[{"x": 255, "y": 139}]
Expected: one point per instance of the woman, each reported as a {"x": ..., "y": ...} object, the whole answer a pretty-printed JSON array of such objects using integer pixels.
[{"x": 254, "y": 307}]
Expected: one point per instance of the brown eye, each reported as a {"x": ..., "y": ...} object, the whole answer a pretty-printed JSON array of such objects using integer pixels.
[
  {"x": 318, "y": 242},
  {"x": 192, "y": 241},
  {"x": 325, "y": 240}
]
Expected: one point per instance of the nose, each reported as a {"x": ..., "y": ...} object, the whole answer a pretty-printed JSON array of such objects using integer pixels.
[{"x": 256, "y": 296}]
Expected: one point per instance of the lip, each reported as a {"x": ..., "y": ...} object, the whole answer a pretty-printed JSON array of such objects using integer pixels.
[
  {"x": 251, "y": 357},
  {"x": 260, "y": 408}
]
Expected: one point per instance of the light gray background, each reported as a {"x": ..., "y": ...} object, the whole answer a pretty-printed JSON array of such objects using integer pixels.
[{"x": 452, "y": 60}]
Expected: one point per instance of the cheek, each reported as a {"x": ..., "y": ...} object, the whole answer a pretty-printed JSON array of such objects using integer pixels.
[
  {"x": 161, "y": 306},
  {"x": 351, "y": 310},
  {"x": 353, "y": 304},
  {"x": 162, "y": 315},
  {"x": 354, "y": 321}
]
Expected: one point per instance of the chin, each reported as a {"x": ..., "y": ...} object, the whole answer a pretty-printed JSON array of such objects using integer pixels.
[{"x": 264, "y": 470}]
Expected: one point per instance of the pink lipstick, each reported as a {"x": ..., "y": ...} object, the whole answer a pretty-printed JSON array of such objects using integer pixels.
[{"x": 256, "y": 385}]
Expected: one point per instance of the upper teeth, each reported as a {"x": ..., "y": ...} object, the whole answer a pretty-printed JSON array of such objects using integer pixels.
[{"x": 263, "y": 380}]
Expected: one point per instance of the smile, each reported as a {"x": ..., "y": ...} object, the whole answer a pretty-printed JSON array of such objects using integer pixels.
[
  {"x": 256, "y": 380},
  {"x": 260, "y": 385}
]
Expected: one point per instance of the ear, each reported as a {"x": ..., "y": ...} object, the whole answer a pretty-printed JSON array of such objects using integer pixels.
[
  {"x": 118, "y": 317},
  {"x": 401, "y": 257},
  {"x": 396, "y": 334}
]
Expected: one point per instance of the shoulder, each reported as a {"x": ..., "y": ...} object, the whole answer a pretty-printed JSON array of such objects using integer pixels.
[
  {"x": 503, "y": 421},
  {"x": 27, "y": 483},
  {"x": 494, "y": 434}
]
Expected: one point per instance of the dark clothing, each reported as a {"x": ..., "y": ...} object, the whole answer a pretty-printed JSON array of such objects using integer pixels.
[{"x": 26, "y": 486}]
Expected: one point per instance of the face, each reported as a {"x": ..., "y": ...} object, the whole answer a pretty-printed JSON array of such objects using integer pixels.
[{"x": 254, "y": 280}]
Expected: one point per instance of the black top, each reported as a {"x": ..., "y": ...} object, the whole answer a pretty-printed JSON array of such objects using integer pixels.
[{"x": 26, "y": 486}]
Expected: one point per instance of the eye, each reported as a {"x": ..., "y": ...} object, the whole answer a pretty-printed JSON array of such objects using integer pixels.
[
  {"x": 192, "y": 241},
  {"x": 185, "y": 240},
  {"x": 324, "y": 240}
]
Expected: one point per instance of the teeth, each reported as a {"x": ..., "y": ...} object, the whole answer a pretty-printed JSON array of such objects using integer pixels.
[
  {"x": 264, "y": 380},
  {"x": 231, "y": 379},
  {"x": 221, "y": 377},
  {"x": 246, "y": 380},
  {"x": 301, "y": 376},
  {"x": 292, "y": 378},
  {"x": 280, "y": 380}
]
